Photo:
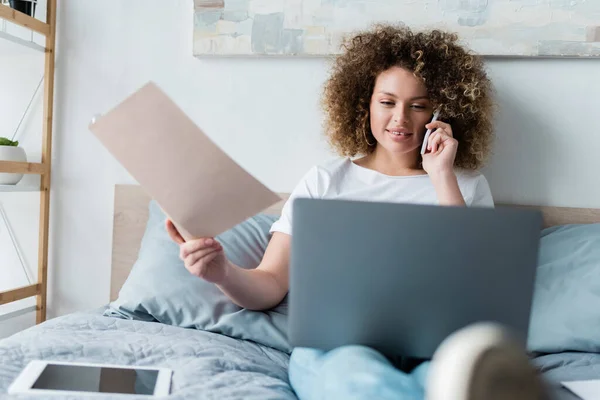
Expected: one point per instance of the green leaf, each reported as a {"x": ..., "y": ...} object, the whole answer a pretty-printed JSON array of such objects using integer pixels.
[{"x": 7, "y": 142}]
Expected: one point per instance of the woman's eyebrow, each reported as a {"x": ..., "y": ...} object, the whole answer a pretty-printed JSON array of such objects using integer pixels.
[
  {"x": 420, "y": 97},
  {"x": 412, "y": 99}
]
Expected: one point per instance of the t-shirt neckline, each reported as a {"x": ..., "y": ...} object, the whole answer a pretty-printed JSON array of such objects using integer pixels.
[{"x": 371, "y": 172}]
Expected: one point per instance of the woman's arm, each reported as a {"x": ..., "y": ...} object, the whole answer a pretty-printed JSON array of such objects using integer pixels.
[
  {"x": 256, "y": 289},
  {"x": 447, "y": 189},
  {"x": 438, "y": 162},
  {"x": 264, "y": 287},
  {"x": 261, "y": 288}
]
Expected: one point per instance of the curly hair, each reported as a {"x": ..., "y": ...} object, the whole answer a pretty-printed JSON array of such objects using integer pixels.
[{"x": 455, "y": 79}]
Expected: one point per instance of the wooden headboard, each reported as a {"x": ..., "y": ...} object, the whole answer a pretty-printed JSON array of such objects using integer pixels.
[{"x": 131, "y": 215}]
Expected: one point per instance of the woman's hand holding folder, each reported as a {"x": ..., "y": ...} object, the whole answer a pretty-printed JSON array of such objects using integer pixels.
[
  {"x": 260, "y": 288},
  {"x": 203, "y": 257}
]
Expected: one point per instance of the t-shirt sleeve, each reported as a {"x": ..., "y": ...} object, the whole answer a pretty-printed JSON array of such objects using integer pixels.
[
  {"x": 482, "y": 196},
  {"x": 306, "y": 188}
]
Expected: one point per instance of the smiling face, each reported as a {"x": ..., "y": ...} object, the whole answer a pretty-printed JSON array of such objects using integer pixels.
[{"x": 399, "y": 111}]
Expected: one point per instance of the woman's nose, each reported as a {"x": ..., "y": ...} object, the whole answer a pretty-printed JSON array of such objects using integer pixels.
[{"x": 400, "y": 117}]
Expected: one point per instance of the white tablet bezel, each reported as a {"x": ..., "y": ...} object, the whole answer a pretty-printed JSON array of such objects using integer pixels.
[{"x": 24, "y": 382}]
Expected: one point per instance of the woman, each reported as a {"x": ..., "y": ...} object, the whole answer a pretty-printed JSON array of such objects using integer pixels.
[{"x": 379, "y": 101}]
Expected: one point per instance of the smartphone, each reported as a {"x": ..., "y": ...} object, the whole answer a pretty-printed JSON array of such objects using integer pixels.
[{"x": 436, "y": 115}]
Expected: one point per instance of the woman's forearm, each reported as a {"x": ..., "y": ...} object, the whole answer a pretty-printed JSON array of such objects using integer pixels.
[
  {"x": 447, "y": 189},
  {"x": 254, "y": 289}
]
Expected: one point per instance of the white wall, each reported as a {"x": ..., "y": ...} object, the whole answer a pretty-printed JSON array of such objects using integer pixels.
[{"x": 264, "y": 113}]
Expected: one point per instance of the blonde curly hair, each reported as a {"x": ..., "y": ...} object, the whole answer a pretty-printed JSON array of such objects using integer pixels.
[{"x": 455, "y": 79}]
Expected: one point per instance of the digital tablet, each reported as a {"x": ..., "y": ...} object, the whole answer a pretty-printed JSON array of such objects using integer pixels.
[{"x": 53, "y": 377}]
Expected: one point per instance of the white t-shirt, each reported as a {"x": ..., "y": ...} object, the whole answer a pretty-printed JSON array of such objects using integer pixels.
[{"x": 342, "y": 179}]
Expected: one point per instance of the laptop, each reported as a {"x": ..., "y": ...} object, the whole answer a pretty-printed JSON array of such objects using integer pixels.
[{"x": 400, "y": 278}]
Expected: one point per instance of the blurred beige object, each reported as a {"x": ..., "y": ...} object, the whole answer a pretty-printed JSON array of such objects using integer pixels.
[{"x": 198, "y": 186}]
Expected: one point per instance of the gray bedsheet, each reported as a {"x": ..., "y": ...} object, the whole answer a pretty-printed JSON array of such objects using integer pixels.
[
  {"x": 568, "y": 367},
  {"x": 206, "y": 365}
]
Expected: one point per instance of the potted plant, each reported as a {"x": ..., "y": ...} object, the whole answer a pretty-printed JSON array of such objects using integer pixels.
[
  {"x": 24, "y": 6},
  {"x": 10, "y": 151}
]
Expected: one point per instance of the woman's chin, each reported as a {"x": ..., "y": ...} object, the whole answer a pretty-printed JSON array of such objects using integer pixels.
[{"x": 400, "y": 147}]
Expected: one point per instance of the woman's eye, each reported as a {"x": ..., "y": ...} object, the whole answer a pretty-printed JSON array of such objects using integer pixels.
[
  {"x": 387, "y": 103},
  {"x": 418, "y": 106}
]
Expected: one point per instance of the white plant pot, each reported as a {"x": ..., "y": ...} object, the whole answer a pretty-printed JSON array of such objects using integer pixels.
[{"x": 11, "y": 153}]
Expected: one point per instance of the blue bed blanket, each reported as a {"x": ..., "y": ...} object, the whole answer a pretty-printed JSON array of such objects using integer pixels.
[{"x": 205, "y": 365}]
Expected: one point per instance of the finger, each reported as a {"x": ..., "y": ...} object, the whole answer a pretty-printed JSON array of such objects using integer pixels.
[
  {"x": 445, "y": 140},
  {"x": 440, "y": 125},
  {"x": 198, "y": 244},
  {"x": 173, "y": 232},
  {"x": 437, "y": 124},
  {"x": 198, "y": 256},
  {"x": 432, "y": 139},
  {"x": 437, "y": 142},
  {"x": 434, "y": 125},
  {"x": 200, "y": 269}
]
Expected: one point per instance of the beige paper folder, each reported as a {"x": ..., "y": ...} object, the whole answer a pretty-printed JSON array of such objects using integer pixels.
[{"x": 197, "y": 185}]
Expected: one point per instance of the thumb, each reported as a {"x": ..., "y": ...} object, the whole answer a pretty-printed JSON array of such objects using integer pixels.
[{"x": 173, "y": 232}]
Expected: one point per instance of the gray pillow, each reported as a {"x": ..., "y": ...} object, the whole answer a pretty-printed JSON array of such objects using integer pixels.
[
  {"x": 566, "y": 304},
  {"x": 159, "y": 288}
]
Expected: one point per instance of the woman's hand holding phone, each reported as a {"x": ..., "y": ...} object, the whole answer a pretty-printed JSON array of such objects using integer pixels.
[{"x": 439, "y": 148}]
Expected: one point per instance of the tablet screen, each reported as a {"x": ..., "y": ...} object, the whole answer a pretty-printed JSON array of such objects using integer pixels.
[{"x": 97, "y": 379}]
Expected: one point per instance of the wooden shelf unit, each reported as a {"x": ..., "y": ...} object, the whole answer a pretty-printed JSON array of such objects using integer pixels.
[
  {"x": 43, "y": 168},
  {"x": 25, "y": 20}
]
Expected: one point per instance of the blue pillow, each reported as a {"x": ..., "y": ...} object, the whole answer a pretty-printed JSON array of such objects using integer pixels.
[
  {"x": 566, "y": 303},
  {"x": 159, "y": 288}
]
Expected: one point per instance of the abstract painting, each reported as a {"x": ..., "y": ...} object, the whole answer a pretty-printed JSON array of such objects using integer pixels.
[{"x": 523, "y": 28}]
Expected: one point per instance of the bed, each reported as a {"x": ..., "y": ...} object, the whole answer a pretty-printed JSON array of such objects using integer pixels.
[{"x": 206, "y": 365}]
